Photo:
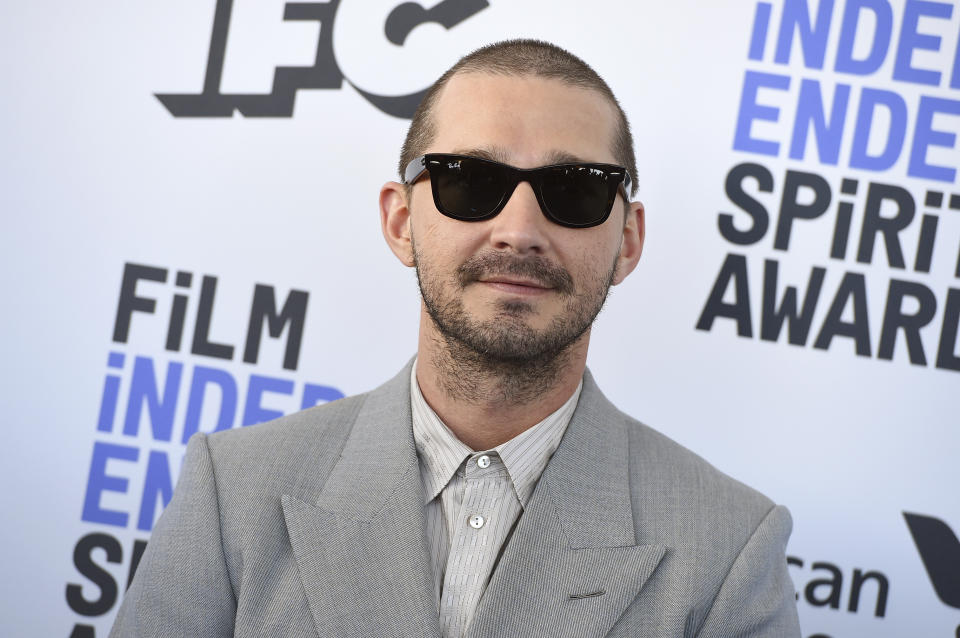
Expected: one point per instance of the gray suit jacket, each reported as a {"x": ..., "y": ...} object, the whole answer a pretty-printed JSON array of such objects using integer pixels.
[{"x": 313, "y": 525}]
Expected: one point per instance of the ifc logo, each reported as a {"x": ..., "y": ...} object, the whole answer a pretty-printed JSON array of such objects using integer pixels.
[{"x": 325, "y": 72}]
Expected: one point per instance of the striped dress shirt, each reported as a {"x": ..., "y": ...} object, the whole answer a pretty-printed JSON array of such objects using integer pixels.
[{"x": 472, "y": 500}]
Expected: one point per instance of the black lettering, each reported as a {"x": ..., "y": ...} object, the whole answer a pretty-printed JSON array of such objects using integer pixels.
[
  {"x": 201, "y": 332},
  {"x": 324, "y": 74},
  {"x": 791, "y": 208},
  {"x": 928, "y": 231},
  {"x": 772, "y": 318},
  {"x": 933, "y": 199},
  {"x": 883, "y": 586},
  {"x": 734, "y": 188},
  {"x": 734, "y": 268},
  {"x": 956, "y": 273},
  {"x": 894, "y": 319},
  {"x": 178, "y": 312},
  {"x": 835, "y": 584},
  {"x": 852, "y": 286},
  {"x": 82, "y": 631},
  {"x": 288, "y": 80},
  {"x": 889, "y": 227},
  {"x": 407, "y": 16},
  {"x": 940, "y": 552},
  {"x": 264, "y": 306},
  {"x": 138, "y": 548},
  {"x": 129, "y": 301},
  {"x": 946, "y": 359},
  {"x": 100, "y": 577},
  {"x": 841, "y": 231}
]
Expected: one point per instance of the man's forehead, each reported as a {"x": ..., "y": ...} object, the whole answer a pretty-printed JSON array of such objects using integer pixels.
[{"x": 522, "y": 119}]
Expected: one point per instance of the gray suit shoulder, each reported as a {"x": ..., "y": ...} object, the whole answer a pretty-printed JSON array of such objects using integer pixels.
[
  {"x": 729, "y": 534},
  {"x": 694, "y": 497},
  {"x": 292, "y": 454}
]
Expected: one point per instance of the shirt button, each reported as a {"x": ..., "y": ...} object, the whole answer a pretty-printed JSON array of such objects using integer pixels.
[
  {"x": 483, "y": 461},
  {"x": 476, "y": 521}
]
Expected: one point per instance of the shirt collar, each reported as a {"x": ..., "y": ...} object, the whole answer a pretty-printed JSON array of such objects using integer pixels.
[{"x": 525, "y": 456}]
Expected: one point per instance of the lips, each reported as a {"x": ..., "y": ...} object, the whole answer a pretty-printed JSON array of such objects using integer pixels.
[
  {"x": 515, "y": 281},
  {"x": 515, "y": 287},
  {"x": 529, "y": 275}
]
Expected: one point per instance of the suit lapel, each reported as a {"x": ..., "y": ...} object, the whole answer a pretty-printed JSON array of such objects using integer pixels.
[
  {"x": 360, "y": 548},
  {"x": 570, "y": 569},
  {"x": 572, "y": 565}
]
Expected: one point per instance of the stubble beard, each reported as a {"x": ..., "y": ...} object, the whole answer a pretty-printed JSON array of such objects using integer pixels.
[{"x": 503, "y": 358}]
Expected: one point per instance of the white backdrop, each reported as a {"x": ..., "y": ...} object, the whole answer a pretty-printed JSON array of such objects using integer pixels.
[{"x": 96, "y": 173}]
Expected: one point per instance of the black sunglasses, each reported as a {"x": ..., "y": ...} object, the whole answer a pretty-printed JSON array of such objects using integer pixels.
[{"x": 473, "y": 189}]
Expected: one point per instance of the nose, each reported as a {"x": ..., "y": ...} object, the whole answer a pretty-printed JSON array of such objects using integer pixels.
[{"x": 521, "y": 225}]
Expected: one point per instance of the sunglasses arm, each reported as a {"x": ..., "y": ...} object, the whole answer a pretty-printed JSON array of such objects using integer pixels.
[
  {"x": 627, "y": 183},
  {"x": 414, "y": 169}
]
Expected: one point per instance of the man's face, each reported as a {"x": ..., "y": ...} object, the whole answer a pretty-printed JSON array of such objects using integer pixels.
[{"x": 516, "y": 287}]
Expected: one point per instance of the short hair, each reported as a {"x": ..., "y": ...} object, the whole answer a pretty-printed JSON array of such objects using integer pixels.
[{"x": 521, "y": 57}]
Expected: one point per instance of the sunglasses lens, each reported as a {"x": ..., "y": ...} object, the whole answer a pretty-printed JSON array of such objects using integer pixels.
[
  {"x": 468, "y": 188},
  {"x": 578, "y": 195}
]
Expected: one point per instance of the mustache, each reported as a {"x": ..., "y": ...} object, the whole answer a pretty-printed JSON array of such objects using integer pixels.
[{"x": 541, "y": 270}]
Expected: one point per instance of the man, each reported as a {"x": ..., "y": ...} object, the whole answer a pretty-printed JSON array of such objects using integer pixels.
[{"x": 489, "y": 489}]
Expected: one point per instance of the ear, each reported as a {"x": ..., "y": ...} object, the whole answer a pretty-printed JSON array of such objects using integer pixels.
[
  {"x": 634, "y": 231},
  {"x": 395, "y": 221}
]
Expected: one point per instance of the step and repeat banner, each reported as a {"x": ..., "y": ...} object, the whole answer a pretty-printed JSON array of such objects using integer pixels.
[{"x": 191, "y": 243}]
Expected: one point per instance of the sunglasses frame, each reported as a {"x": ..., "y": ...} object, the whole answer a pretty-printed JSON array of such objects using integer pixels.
[{"x": 533, "y": 176}]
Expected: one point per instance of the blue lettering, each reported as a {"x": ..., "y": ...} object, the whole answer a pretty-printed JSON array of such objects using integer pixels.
[
  {"x": 202, "y": 377},
  {"x": 925, "y": 137},
  {"x": 253, "y": 412},
  {"x": 143, "y": 390},
  {"x": 761, "y": 21},
  {"x": 955, "y": 79},
  {"x": 99, "y": 482},
  {"x": 111, "y": 388},
  {"x": 910, "y": 39},
  {"x": 870, "y": 99},
  {"x": 848, "y": 34},
  {"x": 750, "y": 111},
  {"x": 314, "y": 394},
  {"x": 158, "y": 482},
  {"x": 810, "y": 111},
  {"x": 813, "y": 38}
]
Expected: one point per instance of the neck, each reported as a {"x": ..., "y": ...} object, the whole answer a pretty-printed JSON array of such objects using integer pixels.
[{"x": 484, "y": 402}]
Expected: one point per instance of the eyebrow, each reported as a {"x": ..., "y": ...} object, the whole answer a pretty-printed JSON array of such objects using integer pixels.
[
  {"x": 500, "y": 154},
  {"x": 492, "y": 153},
  {"x": 562, "y": 157}
]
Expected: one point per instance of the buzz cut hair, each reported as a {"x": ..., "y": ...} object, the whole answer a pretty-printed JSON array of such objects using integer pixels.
[{"x": 521, "y": 57}]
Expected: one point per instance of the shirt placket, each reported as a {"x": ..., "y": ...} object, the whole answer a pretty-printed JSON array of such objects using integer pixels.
[{"x": 473, "y": 542}]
